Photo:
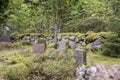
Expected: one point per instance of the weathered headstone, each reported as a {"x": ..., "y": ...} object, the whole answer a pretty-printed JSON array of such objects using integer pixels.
[
  {"x": 96, "y": 44},
  {"x": 62, "y": 46},
  {"x": 6, "y": 34},
  {"x": 80, "y": 56},
  {"x": 39, "y": 48}
]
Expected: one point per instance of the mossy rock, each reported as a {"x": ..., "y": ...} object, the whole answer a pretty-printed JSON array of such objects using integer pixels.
[{"x": 41, "y": 41}]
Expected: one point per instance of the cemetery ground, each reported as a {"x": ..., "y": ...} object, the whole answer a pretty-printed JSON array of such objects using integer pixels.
[{"x": 22, "y": 64}]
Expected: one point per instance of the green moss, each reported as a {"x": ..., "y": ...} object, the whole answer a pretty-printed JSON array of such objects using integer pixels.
[{"x": 42, "y": 41}]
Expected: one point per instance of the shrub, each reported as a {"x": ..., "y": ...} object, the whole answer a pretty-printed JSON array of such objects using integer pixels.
[
  {"x": 41, "y": 41},
  {"x": 51, "y": 45},
  {"x": 8, "y": 45},
  {"x": 24, "y": 42},
  {"x": 53, "y": 67},
  {"x": 111, "y": 46},
  {"x": 18, "y": 72},
  {"x": 93, "y": 36}
]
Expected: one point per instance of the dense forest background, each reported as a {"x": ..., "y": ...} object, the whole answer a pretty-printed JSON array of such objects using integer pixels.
[{"x": 70, "y": 15}]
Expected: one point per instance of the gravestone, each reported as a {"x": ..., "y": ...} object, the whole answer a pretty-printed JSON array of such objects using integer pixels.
[
  {"x": 80, "y": 56},
  {"x": 96, "y": 44},
  {"x": 6, "y": 34},
  {"x": 62, "y": 46},
  {"x": 39, "y": 48}
]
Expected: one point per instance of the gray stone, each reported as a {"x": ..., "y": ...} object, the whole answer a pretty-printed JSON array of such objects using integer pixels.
[
  {"x": 76, "y": 40},
  {"x": 80, "y": 56},
  {"x": 96, "y": 44},
  {"x": 6, "y": 34},
  {"x": 77, "y": 45},
  {"x": 59, "y": 37},
  {"x": 5, "y": 61},
  {"x": 72, "y": 44},
  {"x": 102, "y": 72},
  {"x": 83, "y": 43},
  {"x": 72, "y": 38},
  {"x": 89, "y": 32}
]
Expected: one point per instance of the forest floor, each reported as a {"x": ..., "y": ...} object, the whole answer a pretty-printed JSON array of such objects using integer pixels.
[{"x": 93, "y": 58}]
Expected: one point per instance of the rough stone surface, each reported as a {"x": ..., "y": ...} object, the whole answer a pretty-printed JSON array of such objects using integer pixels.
[
  {"x": 62, "y": 46},
  {"x": 72, "y": 44},
  {"x": 59, "y": 37},
  {"x": 80, "y": 56},
  {"x": 72, "y": 38},
  {"x": 96, "y": 44},
  {"x": 6, "y": 34},
  {"x": 5, "y": 61},
  {"x": 102, "y": 72}
]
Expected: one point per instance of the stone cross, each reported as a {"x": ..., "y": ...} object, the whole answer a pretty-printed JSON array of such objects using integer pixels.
[{"x": 55, "y": 36}]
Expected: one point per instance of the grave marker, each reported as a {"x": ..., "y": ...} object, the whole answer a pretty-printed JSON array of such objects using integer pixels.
[
  {"x": 6, "y": 34},
  {"x": 80, "y": 56},
  {"x": 39, "y": 48}
]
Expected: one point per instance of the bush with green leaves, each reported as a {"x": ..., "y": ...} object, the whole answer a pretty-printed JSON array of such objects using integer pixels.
[
  {"x": 18, "y": 72},
  {"x": 8, "y": 45},
  {"x": 28, "y": 66},
  {"x": 53, "y": 67},
  {"x": 111, "y": 45},
  {"x": 42, "y": 40}
]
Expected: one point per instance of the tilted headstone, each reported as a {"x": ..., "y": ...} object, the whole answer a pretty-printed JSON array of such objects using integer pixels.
[
  {"x": 80, "y": 56},
  {"x": 39, "y": 48},
  {"x": 62, "y": 46},
  {"x": 96, "y": 44},
  {"x": 6, "y": 34}
]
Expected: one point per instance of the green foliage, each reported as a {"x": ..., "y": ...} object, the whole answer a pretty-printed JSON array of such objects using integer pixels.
[
  {"x": 30, "y": 66},
  {"x": 8, "y": 45},
  {"x": 93, "y": 36},
  {"x": 111, "y": 45},
  {"x": 77, "y": 34},
  {"x": 42, "y": 40},
  {"x": 71, "y": 16},
  {"x": 52, "y": 67},
  {"x": 18, "y": 72},
  {"x": 51, "y": 45},
  {"x": 24, "y": 42}
]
